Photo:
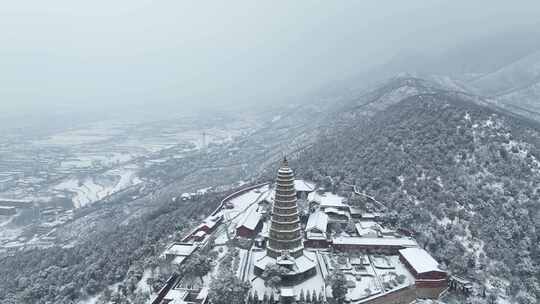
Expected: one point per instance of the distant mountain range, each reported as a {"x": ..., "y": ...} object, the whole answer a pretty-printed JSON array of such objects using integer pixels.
[{"x": 504, "y": 68}]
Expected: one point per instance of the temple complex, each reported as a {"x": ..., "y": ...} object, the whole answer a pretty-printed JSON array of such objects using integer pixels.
[{"x": 290, "y": 229}]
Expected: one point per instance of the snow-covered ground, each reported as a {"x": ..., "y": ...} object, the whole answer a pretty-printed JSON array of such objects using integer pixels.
[
  {"x": 88, "y": 134},
  {"x": 91, "y": 189},
  {"x": 143, "y": 286},
  {"x": 244, "y": 203},
  {"x": 90, "y": 300},
  {"x": 89, "y": 160},
  {"x": 364, "y": 286}
]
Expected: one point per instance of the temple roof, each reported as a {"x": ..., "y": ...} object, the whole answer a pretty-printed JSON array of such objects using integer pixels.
[
  {"x": 420, "y": 260},
  {"x": 317, "y": 220}
]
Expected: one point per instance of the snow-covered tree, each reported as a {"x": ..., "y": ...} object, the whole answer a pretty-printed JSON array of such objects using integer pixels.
[
  {"x": 338, "y": 282},
  {"x": 228, "y": 289}
]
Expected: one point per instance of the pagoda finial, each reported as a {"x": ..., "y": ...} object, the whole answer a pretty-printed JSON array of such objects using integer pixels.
[{"x": 285, "y": 162}]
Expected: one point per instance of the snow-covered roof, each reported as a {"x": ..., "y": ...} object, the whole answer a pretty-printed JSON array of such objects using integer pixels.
[
  {"x": 181, "y": 249},
  {"x": 310, "y": 235},
  {"x": 371, "y": 215},
  {"x": 203, "y": 294},
  {"x": 355, "y": 210},
  {"x": 210, "y": 221},
  {"x": 176, "y": 296},
  {"x": 287, "y": 292},
  {"x": 265, "y": 231},
  {"x": 336, "y": 211},
  {"x": 300, "y": 264},
  {"x": 178, "y": 260},
  {"x": 304, "y": 186},
  {"x": 250, "y": 220},
  {"x": 375, "y": 241},
  {"x": 318, "y": 220},
  {"x": 327, "y": 199},
  {"x": 366, "y": 230},
  {"x": 268, "y": 196},
  {"x": 200, "y": 233},
  {"x": 420, "y": 260}
]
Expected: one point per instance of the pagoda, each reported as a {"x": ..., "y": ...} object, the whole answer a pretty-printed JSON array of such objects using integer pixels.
[
  {"x": 285, "y": 236},
  {"x": 285, "y": 240}
]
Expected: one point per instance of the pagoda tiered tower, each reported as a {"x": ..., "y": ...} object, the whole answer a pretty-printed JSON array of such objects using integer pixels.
[
  {"x": 285, "y": 244},
  {"x": 285, "y": 237}
]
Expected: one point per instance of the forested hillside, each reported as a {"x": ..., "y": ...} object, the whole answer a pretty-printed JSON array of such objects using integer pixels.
[
  {"x": 117, "y": 255},
  {"x": 465, "y": 177}
]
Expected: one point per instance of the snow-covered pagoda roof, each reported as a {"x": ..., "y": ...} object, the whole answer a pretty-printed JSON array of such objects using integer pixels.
[
  {"x": 420, "y": 260},
  {"x": 318, "y": 220}
]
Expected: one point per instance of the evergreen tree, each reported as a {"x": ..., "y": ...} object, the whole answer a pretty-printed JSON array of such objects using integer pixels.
[
  {"x": 338, "y": 282},
  {"x": 228, "y": 289}
]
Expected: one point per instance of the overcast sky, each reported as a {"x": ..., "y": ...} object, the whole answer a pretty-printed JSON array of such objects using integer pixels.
[{"x": 59, "y": 54}]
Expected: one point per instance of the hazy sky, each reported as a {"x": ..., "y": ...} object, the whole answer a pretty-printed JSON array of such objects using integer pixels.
[{"x": 59, "y": 54}]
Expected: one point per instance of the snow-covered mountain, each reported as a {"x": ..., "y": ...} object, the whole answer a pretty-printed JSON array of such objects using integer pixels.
[
  {"x": 515, "y": 76},
  {"x": 461, "y": 173},
  {"x": 503, "y": 68},
  {"x": 515, "y": 86}
]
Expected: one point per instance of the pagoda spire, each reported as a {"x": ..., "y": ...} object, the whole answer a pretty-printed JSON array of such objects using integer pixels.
[{"x": 285, "y": 237}]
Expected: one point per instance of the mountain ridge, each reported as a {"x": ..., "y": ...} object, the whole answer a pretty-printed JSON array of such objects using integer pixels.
[{"x": 463, "y": 174}]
